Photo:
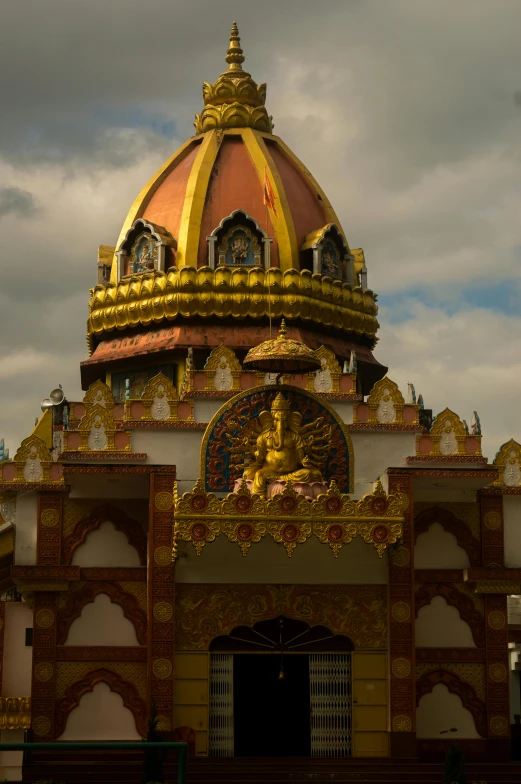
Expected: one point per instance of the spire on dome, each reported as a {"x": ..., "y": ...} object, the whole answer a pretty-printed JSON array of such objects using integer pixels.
[
  {"x": 234, "y": 100},
  {"x": 234, "y": 55}
]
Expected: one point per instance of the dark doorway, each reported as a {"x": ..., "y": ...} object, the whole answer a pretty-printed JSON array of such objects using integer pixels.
[{"x": 271, "y": 715}]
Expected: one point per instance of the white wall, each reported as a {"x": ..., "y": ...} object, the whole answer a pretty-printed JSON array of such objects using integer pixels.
[
  {"x": 267, "y": 562},
  {"x": 344, "y": 411},
  {"x": 439, "y": 625},
  {"x": 172, "y": 447},
  {"x": 102, "y": 623},
  {"x": 206, "y": 408},
  {"x": 100, "y": 715},
  {"x": 512, "y": 523},
  {"x": 439, "y": 549},
  {"x": 375, "y": 452},
  {"x": 106, "y": 547},
  {"x": 441, "y": 710},
  {"x": 16, "y": 681},
  {"x": 26, "y": 527}
]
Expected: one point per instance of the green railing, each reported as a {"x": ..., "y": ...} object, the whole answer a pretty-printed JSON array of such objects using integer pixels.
[{"x": 142, "y": 745}]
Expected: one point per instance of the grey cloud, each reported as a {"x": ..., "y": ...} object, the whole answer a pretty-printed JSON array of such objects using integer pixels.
[{"x": 16, "y": 201}]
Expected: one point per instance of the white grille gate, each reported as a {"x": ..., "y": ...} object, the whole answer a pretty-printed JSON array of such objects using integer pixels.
[
  {"x": 330, "y": 698},
  {"x": 221, "y": 739}
]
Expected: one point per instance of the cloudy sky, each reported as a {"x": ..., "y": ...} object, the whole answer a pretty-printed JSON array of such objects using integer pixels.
[{"x": 408, "y": 112}]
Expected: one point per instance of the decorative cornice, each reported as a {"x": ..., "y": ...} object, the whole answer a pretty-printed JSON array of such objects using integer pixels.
[
  {"x": 289, "y": 518},
  {"x": 104, "y": 455},
  {"x": 231, "y": 292},
  {"x": 448, "y": 459}
]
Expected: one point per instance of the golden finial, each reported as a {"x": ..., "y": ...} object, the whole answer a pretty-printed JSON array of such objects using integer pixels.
[
  {"x": 234, "y": 56},
  {"x": 234, "y": 100}
]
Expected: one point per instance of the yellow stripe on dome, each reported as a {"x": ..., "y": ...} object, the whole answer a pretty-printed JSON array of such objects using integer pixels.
[
  {"x": 141, "y": 202},
  {"x": 193, "y": 207},
  {"x": 283, "y": 224},
  {"x": 328, "y": 207}
]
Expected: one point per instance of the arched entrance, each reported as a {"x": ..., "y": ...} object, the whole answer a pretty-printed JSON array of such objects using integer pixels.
[{"x": 280, "y": 688}]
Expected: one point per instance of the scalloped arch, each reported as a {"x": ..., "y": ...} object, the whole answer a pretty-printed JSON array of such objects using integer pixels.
[
  {"x": 126, "y": 690},
  {"x": 102, "y": 514},
  {"x": 463, "y": 690},
  {"x": 86, "y": 595}
]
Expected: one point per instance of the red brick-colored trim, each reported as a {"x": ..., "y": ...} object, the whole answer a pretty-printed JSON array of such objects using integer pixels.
[
  {"x": 492, "y": 538},
  {"x": 49, "y": 529},
  {"x": 161, "y": 596},
  {"x": 126, "y": 690},
  {"x": 463, "y": 603},
  {"x": 401, "y": 625},
  {"x": 2, "y": 632},
  {"x": 91, "y": 522},
  {"x": 44, "y": 658},
  {"x": 453, "y": 525},
  {"x": 439, "y": 575},
  {"x": 86, "y": 595},
  {"x": 498, "y": 691},
  {"x": 455, "y": 685},
  {"x": 453, "y": 655},
  {"x": 97, "y": 653},
  {"x": 126, "y": 574}
]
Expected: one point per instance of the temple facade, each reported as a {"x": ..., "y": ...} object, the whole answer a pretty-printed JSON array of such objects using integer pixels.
[{"x": 245, "y": 526}]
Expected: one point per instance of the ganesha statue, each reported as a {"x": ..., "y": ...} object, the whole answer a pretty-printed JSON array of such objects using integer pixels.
[{"x": 278, "y": 449}]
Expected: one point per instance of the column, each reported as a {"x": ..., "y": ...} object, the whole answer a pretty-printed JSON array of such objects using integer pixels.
[
  {"x": 492, "y": 544},
  {"x": 402, "y": 652},
  {"x": 43, "y": 687},
  {"x": 161, "y": 595},
  {"x": 498, "y": 696},
  {"x": 50, "y": 516}
]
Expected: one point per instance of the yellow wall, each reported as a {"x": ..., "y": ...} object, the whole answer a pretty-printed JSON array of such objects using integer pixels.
[
  {"x": 191, "y": 695},
  {"x": 370, "y": 704}
]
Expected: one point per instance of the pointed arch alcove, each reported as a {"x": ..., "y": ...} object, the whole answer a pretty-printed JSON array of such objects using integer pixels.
[
  {"x": 76, "y": 691},
  {"x": 87, "y": 594},
  {"x": 455, "y": 685},
  {"x": 91, "y": 522},
  {"x": 452, "y": 525}
]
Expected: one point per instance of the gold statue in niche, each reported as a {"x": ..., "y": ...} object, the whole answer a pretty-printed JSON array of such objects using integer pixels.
[{"x": 285, "y": 450}]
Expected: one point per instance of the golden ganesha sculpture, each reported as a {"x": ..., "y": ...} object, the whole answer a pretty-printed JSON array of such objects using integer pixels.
[{"x": 277, "y": 448}]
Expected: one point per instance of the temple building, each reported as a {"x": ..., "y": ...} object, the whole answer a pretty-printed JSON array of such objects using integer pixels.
[{"x": 245, "y": 525}]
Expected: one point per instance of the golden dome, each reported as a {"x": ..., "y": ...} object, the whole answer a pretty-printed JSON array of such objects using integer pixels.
[
  {"x": 299, "y": 264},
  {"x": 282, "y": 355},
  {"x": 234, "y": 100}
]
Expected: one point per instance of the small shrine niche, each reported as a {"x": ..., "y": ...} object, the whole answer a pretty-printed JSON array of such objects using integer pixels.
[
  {"x": 386, "y": 403},
  {"x": 223, "y": 370},
  {"x": 238, "y": 241},
  {"x": 98, "y": 394},
  {"x": 327, "y": 379},
  {"x": 326, "y": 252},
  {"x": 97, "y": 430},
  {"x": 160, "y": 400},
  {"x": 508, "y": 460},
  {"x": 32, "y": 460},
  {"x": 146, "y": 248},
  {"x": 448, "y": 434}
]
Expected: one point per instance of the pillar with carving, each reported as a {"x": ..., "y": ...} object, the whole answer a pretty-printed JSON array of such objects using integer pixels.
[
  {"x": 161, "y": 595},
  {"x": 402, "y": 652},
  {"x": 43, "y": 686}
]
